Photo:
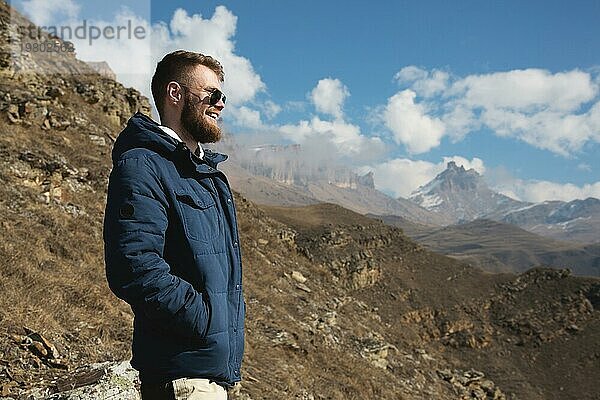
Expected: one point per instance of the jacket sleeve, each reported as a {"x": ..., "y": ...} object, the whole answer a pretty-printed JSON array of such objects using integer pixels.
[{"x": 134, "y": 235}]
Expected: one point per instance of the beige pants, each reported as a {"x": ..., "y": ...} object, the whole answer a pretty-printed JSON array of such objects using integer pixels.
[{"x": 198, "y": 389}]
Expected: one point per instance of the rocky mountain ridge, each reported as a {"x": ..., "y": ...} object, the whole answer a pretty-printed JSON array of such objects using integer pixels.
[
  {"x": 339, "y": 306},
  {"x": 576, "y": 220},
  {"x": 498, "y": 247},
  {"x": 279, "y": 175},
  {"x": 287, "y": 164},
  {"x": 464, "y": 196}
]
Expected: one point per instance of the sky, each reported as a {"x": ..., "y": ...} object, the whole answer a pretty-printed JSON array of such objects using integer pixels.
[{"x": 399, "y": 88}]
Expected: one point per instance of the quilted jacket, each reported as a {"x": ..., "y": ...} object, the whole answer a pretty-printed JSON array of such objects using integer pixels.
[{"x": 172, "y": 252}]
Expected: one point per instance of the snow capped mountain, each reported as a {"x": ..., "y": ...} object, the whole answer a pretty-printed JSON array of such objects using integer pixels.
[
  {"x": 577, "y": 220},
  {"x": 462, "y": 195}
]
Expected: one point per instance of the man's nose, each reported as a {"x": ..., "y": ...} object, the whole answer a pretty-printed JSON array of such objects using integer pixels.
[{"x": 220, "y": 104}]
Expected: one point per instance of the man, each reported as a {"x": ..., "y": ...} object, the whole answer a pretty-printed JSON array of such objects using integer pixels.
[{"x": 171, "y": 239}]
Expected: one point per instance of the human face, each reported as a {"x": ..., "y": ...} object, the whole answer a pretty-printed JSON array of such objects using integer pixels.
[{"x": 198, "y": 117}]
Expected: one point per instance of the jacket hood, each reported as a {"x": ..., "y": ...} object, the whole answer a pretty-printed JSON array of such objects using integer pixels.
[{"x": 143, "y": 132}]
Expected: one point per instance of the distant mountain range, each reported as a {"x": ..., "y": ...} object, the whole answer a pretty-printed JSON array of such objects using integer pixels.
[
  {"x": 463, "y": 196},
  {"x": 283, "y": 175},
  {"x": 577, "y": 220},
  {"x": 456, "y": 213}
]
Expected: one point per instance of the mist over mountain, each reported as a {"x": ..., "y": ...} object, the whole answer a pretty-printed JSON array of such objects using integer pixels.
[
  {"x": 290, "y": 165},
  {"x": 289, "y": 175}
]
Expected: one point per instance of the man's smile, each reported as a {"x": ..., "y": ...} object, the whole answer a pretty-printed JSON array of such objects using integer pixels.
[{"x": 213, "y": 114}]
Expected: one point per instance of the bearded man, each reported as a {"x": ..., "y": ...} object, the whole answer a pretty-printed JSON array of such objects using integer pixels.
[{"x": 172, "y": 248}]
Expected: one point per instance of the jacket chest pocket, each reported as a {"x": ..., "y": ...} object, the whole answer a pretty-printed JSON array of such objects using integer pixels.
[{"x": 200, "y": 216}]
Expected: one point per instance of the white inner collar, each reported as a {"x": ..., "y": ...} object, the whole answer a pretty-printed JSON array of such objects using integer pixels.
[{"x": 199, "y": 151}]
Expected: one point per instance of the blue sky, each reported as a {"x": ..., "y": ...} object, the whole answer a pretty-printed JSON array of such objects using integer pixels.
[{"x": 510, "y": 88}]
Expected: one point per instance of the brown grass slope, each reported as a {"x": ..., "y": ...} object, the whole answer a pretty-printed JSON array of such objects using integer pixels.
[{"x": 339, "y": 306}]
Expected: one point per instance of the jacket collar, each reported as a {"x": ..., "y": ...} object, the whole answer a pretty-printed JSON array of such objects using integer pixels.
[{"x": 143, "y": 132}]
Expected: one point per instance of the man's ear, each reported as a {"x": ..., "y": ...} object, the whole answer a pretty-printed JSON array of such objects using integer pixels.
[{"x": 174, "y": 92}]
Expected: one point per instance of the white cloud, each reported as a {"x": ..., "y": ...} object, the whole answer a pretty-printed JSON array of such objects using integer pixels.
[
  {"x": 558, "y": 112},
  {"x": 119, "y": 52},
  {"x": 410, "y": 123},
  {"x": 271, "y": 109},
  {"x": 460, "y": 120},
  {"x": 584, "y": 167},
  {"x": 329, "y": 96},
  {"x": 47, "y": 13},
  {"x": 527, "y": 90},
  {"x": 246, "y": 117},
  {"x": 295, "y": 106},
  {"x": 402, "y": 176},
  {"x": 536, "y": 191},
  {"x": 425, "y": 83},
  {"x": 133, "y": 60},
  {"x": 330, "y": 139},
  {"x": 501, "y": 180},
  {"x": 212, "y": 36},
  {"x": 411, "y": 74},
  {"x": 346, "y": 137},
  {"x": 476, "y": 163}
]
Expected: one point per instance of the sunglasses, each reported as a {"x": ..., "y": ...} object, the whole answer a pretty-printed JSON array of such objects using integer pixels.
[{"x": 215, "y": 95}]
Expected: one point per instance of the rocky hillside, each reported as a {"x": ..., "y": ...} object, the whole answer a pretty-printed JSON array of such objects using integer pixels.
[{"x": 339, "y": 306}]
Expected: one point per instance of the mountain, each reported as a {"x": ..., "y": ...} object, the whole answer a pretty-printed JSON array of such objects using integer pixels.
[
  {"x": 440, "y": 300},
  {"x": 461, "y": 195},
  {"x": 284, "y": 175},
  {"x": 339, "y": 306},
  {"x": 577, "y": 220}
]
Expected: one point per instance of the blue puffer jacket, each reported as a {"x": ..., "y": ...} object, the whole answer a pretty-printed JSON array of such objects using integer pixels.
[{"x": 172, "y": 252}]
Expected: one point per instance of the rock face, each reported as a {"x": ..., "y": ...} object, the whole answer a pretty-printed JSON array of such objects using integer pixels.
[
  {"x": 350, "y": 260},
  {"x": 290, "y": 165},
  {"x": 37, "y": 82},
  {"x": 103, "y": 69}
]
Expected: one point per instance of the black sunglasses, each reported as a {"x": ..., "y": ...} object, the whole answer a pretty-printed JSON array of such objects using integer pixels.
[{"x": 215, "y": 95}]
